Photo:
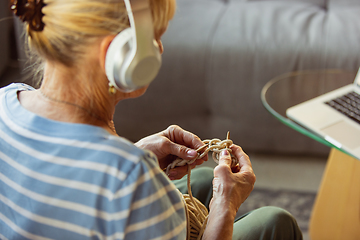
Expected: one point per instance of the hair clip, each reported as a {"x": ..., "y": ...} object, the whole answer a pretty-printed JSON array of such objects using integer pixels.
[{"x": 29, "y": 11}]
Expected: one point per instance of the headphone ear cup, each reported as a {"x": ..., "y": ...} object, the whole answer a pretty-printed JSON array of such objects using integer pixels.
[
  {"x": 116, "y": 56},
  {"x": 143, "y": 66},
  {"x": 126, "y": 67}
]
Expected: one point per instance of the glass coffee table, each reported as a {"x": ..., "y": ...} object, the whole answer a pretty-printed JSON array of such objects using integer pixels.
[{"x": 336, "y": 212}]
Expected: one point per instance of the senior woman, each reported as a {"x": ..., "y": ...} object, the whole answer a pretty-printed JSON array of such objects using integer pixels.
[{"x": 66, "y": 174}]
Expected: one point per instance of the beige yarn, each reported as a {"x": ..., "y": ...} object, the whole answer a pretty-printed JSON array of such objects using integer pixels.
[{"x": 196, "y": 212}]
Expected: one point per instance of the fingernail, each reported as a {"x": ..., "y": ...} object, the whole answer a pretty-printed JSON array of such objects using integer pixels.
[
  {"x": 224, "y": 152},
  {"x": 191, "y": 153}
]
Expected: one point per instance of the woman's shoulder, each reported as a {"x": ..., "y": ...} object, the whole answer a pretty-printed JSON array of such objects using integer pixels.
[
  {"x": 124, "y": 145},
  {"x": 125, "y": 155}
]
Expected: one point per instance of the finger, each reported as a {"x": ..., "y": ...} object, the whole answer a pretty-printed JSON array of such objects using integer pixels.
[
  {"x": 178, "y": 135},
  {"x": 197, "y": 162},
  {"x": 244, "y": 160},
  {"x": 225, "y": 158},
  {"x": 177, "y": 172},
  {"x": 235, "y": 169},
  {"x": 240, "y": 155},
  {"x": 191, "y": 140},
  {"x": 180, "y": 171},
  {"x": 183, "y": 137},
  {"x": 182, "y": 151}
]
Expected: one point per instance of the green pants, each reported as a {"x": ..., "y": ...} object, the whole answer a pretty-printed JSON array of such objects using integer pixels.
[{"x": 263, "y": 223}]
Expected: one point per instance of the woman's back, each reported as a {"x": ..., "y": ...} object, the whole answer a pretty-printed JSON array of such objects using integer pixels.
[{"x": 76, "y": 181}]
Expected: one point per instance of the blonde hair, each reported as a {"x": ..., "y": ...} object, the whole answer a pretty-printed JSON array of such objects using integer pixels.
[{"x": 71, "y": 24}]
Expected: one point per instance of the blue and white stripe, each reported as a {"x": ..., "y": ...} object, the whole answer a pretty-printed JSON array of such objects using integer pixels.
[{"x": 78, "y": 182}]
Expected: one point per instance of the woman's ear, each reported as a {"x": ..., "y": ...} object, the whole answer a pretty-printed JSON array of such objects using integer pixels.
[{"x": 104, "y": 46}]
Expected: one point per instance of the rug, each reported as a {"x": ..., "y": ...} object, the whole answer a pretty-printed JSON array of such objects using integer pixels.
[{"x": 299, "y": 204}]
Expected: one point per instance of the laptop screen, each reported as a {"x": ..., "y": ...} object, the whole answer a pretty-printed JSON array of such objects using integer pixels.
[{"x": 357, "y": 78}]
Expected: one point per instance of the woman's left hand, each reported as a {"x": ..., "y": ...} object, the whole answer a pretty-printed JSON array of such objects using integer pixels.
[{"x": 173, "y": 143}]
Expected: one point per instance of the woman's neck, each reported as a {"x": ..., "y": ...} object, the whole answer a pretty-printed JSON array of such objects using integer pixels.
[{"x": 72, "y": 95}]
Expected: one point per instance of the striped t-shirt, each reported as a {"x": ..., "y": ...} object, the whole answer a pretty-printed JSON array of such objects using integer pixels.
[{"x": 75, "y": 181}]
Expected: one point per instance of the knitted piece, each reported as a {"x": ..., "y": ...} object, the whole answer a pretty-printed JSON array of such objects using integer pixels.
[{"x": 215, "y": 146}]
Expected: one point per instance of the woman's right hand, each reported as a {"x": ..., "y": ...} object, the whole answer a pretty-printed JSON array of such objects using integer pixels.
[{"x": 231, "y": 189}]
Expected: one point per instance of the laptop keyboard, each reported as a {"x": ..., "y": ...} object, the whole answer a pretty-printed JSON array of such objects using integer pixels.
[{"x": 348, "y": 104}]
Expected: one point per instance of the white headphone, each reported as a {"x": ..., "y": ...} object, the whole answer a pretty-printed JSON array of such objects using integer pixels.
[{"x": 133, "y": 58}]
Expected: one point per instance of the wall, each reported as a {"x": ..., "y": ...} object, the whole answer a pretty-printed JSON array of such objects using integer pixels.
[{"x": 4, "y": 35}]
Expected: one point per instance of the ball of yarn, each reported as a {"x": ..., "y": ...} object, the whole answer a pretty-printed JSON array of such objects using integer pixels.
[{"x": 196, "y": 216}]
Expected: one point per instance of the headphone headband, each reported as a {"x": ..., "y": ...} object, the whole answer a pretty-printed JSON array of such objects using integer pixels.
[{"x": 133, "y": 58}]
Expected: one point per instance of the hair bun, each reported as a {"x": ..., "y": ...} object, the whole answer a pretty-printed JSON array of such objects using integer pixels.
[{"x": 29, "y": 11}]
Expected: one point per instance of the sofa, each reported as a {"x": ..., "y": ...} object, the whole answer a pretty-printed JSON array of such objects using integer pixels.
[{"x": 218, "y": 55}]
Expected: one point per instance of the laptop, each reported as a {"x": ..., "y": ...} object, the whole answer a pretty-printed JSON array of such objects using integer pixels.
[{"x": 335, "y": 116}]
